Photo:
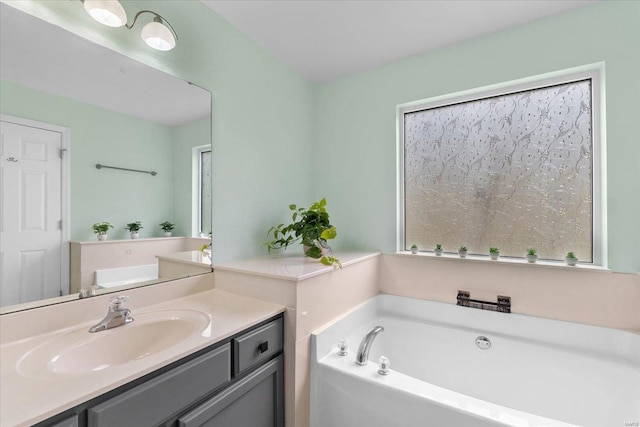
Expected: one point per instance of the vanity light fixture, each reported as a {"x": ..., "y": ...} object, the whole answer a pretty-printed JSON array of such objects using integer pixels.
[
  {"x": 158, "y": 34},
  {"x": 107, "y": 12}
]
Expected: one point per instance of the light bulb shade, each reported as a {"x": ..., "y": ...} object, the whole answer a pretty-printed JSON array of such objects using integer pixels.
[
  {"x": 158, "y": 36},
  {"x": 107, "y": 12}
]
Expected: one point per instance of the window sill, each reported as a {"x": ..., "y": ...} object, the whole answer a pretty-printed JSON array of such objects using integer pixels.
[{"x": 508, "y": 261}]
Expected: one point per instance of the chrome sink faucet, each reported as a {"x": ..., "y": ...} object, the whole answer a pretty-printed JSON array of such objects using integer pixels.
[
  {"x": 117, "y": 315},
  {"x": 365, "y": 345}
]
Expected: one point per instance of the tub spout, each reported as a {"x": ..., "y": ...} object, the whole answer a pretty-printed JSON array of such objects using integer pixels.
[{"x": 365, "y": 345}]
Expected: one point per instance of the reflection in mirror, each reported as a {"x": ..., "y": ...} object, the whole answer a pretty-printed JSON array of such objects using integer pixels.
[{"x": 68, "y": 105}]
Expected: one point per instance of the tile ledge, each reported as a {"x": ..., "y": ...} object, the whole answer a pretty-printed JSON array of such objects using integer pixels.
[
  {"x": 509, "y": 261},
  {"x": 292, "y": 268}
]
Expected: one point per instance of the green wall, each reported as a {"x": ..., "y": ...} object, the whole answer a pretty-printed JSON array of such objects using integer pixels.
[
  {"x": 185, "y": 138},
  {"x": 262, "y": 112},
  {"x": 278, "y": 139},
  {"x": 99, "y": 135},
  {"x": 356, "y": 117}
]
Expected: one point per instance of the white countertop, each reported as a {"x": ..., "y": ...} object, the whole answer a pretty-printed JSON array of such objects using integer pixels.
[
  {"x": 26, "y": 400},
  {"x": 289, "y": 267},
  {"x": 188, "y": 257}
]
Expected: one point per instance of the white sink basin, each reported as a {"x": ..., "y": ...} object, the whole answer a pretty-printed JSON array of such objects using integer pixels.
[{"x": 82, "y": 352}]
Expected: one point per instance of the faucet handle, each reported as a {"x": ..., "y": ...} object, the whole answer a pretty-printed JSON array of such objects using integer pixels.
[{"x": 117, "y": 303}]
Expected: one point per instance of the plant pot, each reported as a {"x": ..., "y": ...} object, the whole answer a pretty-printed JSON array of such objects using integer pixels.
[
  {"x": 134, "y": 235},
  {"x": 438, "y": 252},
  {"x": 167, "y": 234},
  {"x": 414, "y": 250},
  {"x": 305, "y": 248},
  {"x": 463, "y": 254},
  {"x": 102, "y": 237},
  {"x": 494, "y": 256},
  {"x": 531, "y": 258},
  {"x": 571, "y": 261}
]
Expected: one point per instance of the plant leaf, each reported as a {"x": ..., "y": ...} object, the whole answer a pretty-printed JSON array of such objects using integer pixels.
[
  {"x": 329, "y": 233},
  {"x": 314, "y": 252},
  {"x": 331, "y": 261}
]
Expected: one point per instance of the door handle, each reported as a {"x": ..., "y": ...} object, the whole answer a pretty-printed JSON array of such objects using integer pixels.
[{"x": 12, "y": 159}]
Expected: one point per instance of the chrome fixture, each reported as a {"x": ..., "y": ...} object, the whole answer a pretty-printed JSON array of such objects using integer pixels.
[
  {"x": 383, "y": 365},
  {"x": 342, "y": 347},
  {"x": 502, "y": 306},
  {"x": 365, "y": 345},
  {"x": 117, "y": 315},
  {"x": 88, "y": 292},
  {"x": 483, "y": 343},
  {"x": 158, "y": 34}
]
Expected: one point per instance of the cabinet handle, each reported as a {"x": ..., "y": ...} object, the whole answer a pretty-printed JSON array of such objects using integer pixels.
[{"x": 263, "y": 347}]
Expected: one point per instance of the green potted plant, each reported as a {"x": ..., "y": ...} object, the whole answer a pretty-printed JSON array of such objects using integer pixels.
[
  {"x": 101, "y": 229},
  {"x": 438, "y": 249},
  {"x": 167, "y": 227},
  {"x": 309, "y": 226},
  {"x": 532, "y": 255},
  {"x": 134, "y": 228},
  {"x": 414, "y": 249},
  {"x": 571, "y": 258},
  {"x": 462, "y": 251},
  {"x": 494, "y": 253}
]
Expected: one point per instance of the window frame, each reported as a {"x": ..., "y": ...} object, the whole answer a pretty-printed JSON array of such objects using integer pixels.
[
  {"x": 197, "y": 183},
  {"x": 591, "y": 72}
]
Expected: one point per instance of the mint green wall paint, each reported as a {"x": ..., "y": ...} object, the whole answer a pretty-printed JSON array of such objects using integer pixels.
[
  {"x": 100, "y": 135},
  {"x": 262, "y": 112},
  {"x": 269, "y": 123},
  {"x": 356, "y": 117},
  {"x": 185, "y": 138}
]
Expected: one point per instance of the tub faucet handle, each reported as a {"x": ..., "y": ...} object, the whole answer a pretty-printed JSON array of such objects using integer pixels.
[
  {"x": 342, "y": 347},
  {"x": 383, "y": 364}
]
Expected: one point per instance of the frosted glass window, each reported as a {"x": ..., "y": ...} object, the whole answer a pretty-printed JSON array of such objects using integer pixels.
[{"x": 513, "y": 171}]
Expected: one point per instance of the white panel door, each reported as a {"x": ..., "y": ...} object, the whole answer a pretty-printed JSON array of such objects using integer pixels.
[{"x": 31, "y": 235}]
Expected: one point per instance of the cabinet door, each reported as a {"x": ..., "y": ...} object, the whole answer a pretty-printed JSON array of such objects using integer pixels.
[
  {"x": 67, "y": 422},
  {"x": 166, "y": 395},
  {"x": 255, "y": 401}
]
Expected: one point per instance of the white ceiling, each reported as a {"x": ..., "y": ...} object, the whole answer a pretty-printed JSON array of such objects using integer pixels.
[
  {"x": 40, "y": 55},
  {"x": 325, "y": 40}
]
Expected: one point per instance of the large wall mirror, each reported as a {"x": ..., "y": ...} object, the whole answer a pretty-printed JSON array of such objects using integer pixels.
[{"x": 69, "y": 105}]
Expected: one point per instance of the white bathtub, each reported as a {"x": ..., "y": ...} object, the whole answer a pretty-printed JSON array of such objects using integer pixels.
[
  {"x": 538, "y": 372},
  {"x": 114, "y": 277}
]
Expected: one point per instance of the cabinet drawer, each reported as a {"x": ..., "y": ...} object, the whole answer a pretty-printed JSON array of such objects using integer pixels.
[
  {"x": 257, "y": 345},
  {"x": 156, "y": 400}
]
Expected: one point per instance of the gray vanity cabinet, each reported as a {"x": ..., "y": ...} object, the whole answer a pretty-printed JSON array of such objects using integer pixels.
[
  {"x": 236, "y": 382},
  {"x": 254, "y": 401},
  {"x": 67, "y": 422},
  {"x": 167, "y": 394}
]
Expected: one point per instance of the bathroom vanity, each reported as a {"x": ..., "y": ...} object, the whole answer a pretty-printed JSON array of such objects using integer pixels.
[
  {"x": 190, "y": 357},
  {"x": 236, "y": 382}
]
